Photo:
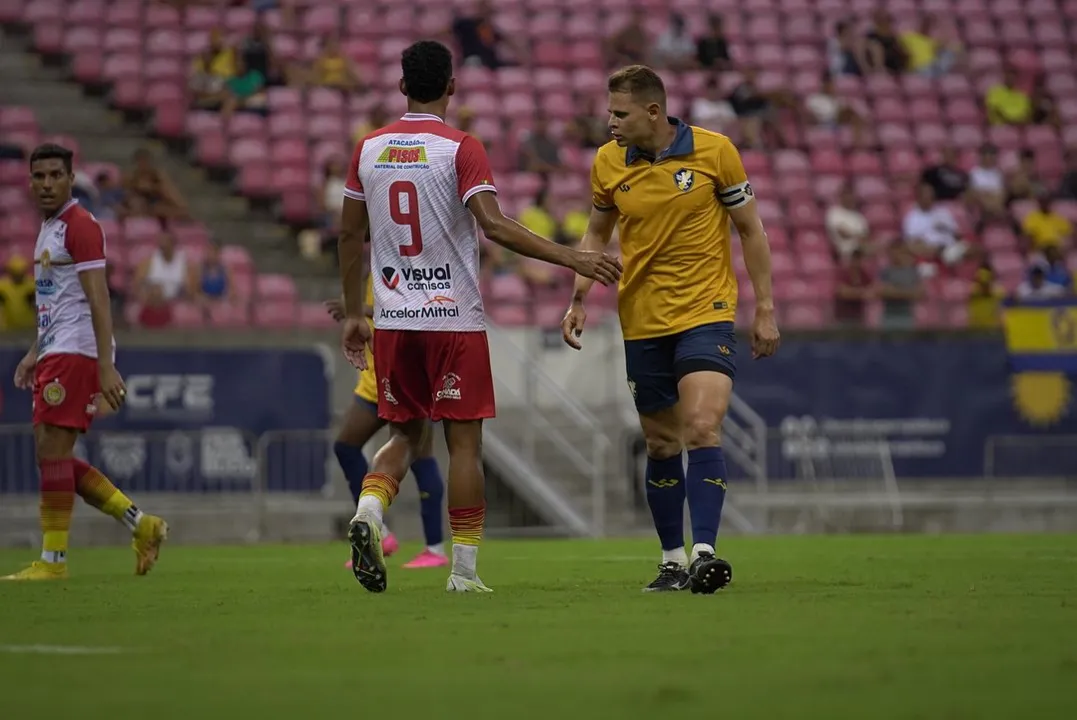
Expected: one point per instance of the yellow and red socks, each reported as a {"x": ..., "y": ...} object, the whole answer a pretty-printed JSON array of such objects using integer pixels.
[
  {"x": 666, "y": 489},
  {"x": 99, "y": 492},
  {"x": 706, "y": 493},
  {"x": 466, "y": 527},
  {"x": 379, "y": 491},
  {"x": 57, "y": 503}
]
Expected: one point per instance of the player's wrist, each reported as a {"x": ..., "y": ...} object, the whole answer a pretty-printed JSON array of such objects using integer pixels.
[{"x": 764, "y": 308}]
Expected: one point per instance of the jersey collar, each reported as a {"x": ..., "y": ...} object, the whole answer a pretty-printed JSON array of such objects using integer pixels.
[
  {"x": 67, "y": 206},
  {"x": 415, "y": 117},
  {"x": 683, "y": 144}
]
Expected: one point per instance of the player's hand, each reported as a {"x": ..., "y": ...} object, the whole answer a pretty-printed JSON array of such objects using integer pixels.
[
  {"x": 112, "y": 388},
  {"x": 335, "y": 308},
  {"x": 572, "y": 324},
  {"x": 24, "y": 373},
  {"x": 355, "y": 340},
  {"x": 765, "y": 337},
  {"x": 598, "y": 266}
]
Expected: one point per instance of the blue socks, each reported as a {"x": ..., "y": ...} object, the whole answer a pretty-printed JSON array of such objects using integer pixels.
[
  {"x": 353, "y": 463},
  {"x": 665, "y": 496},
  {"x": 431, "y": 493},
  {"x": 706, "y": 492}
]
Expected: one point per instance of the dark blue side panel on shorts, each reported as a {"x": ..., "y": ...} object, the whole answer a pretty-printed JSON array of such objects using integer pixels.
[{"x": 655, "y": 365}]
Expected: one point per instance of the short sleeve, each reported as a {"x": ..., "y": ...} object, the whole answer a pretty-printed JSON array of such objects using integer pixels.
[
  {"x": 734, "y": 189},
  {"x": 353, "y": 186},
  {"x": 601, "y": 197},
  {"x": 473, "y": 174},
  {"x": 85, "y": 243}
]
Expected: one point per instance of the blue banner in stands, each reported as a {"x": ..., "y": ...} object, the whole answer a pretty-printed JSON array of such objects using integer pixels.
[
  {"x": 932, "y": 403},
  {"x": 193, "y": 418}
]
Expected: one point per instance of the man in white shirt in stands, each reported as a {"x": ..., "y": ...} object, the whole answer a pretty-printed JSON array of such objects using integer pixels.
[{"x": 931, "y": 231}]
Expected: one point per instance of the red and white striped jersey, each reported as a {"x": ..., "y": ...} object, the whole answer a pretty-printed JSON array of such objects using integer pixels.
[
  {"x": 416, "y": 176},
  {"x": 69, "y": 242}
]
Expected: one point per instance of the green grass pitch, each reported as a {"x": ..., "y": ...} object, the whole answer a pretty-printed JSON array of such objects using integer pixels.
[{"x": 812, "y": 627}]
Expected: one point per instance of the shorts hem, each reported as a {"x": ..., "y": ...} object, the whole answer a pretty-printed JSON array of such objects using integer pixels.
[
  {"x": 371, "y": 405},
  {"x": 486, "y": 415},
  {"x": 694, "y": 365}
]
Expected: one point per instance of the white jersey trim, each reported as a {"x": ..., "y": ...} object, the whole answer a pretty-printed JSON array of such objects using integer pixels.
[
  {"x": 476, "y": 190},
  {"x": 90, "y": 265},
  {"x": 420, "y": 117},
  {"x": 354, "y": 195}
]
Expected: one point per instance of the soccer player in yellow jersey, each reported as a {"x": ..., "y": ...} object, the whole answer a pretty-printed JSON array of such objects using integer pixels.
[
  {"x": 671, "y": 189},
  {"x": 361, "y": 423}
]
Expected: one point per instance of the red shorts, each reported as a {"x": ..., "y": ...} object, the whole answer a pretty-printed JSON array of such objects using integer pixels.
[
  {"x": 65, "y": 388},
  {"x": 435, "y": 375}
]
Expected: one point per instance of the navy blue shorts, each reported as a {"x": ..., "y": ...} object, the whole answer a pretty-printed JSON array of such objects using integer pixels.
[{"x": 656, "y": 365}]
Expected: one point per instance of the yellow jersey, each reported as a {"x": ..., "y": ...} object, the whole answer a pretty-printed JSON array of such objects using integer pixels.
[
  {"x": 1008, "y": 105},
  {"x": 1046, "y": 228},
  {"x": 18, "y": 306},
  {"x": 673, "y": 223}
]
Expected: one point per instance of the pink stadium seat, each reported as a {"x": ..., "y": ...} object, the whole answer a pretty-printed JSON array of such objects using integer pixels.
[
  {"x": 237, "y": 259},
  {"x": 17, "y": 118},
  {"x": 276, "y": 314},
  {"x": 272, "y": 286},
  {"x": 82, "y": 39},
  {"x": 141, "y": 229},
  {"x": 228, "y": 315},
  {"x": 187, "y": 315},
  {"x": 12, "y": 11},
  {"x": 507, "y": 315},
  {"x": 12, "y": 172},
  {"x": 509, "y": 288},
  {"x": 804, "y": 317},
  {"x": 313, "y": 315}
]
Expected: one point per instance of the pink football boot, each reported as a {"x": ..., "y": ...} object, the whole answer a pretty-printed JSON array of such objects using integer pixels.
[{"x": 427, "y": 559}]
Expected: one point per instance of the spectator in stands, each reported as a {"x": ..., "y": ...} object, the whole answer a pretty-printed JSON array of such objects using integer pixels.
[
  {"x": 900, "y": 287},
  {"x": 711, "y": 110},
  {"x": 1067, "y": 188},
  {"x": 539, "y": 152},
  {"x": 586, "y": 129},
  {"x": 214, "y": 280},
  {"x": 1044, "y": 107},
  {"x": 675, "y": 48},
  {"x": 847, "y": 52},
  {"x": 156, "y": 312},
  {"x": 211, "y": 68},
  {"x": 987, "y": 189},
  {"x": 985, "y": 299},
  {"x": 375, "y": 120},
  {"x": 1023, "y": 182},
  {"x": 756, "y": 112},
  {"x": 166, "y": 269},
  {"x": 946, "y": 177},
  {"x": 150, "y": 192},
  {"x": 931, "y": 233},
  {"x": 630, "y": 44},
  {"x": 574, "y": 225},
  {"x": 245, "y": 91},
  {"x": 1054, "y": 268},
  {"x": 926, "y": 52},
  {"x": 18, "y": 305},
  {"x": 331, "y": 194},
  {"x": 465, "y": 122},
  {"x": 111, "y": 202},
  {"x": 479, "y": 40},
  {"x": 712, "y": 49},
  {"x": 885, "y": 49},
  {"x": 1036, "y": 286},
  {"x": 333, "y": 69},
  {"x": 538, "y": 218},
  {"x": 846, "y": 225},
  {"x": 854, "y": 289},
  {"x": 1006, "y": 103},
  {"x": 1044, "y": 227},
  {"x": 258, "y": 56},
  {"x": 830, "y": 111}
]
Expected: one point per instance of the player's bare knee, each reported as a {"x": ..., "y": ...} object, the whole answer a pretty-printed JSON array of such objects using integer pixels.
[
  {"x": 463, "y": 439},
  {"x": 53, "y": 443},
  {"x": 662, "y": 446},
  {"x": 702, "y": 430}
]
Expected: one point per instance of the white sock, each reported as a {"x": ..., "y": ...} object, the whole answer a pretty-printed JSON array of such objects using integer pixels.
[
  {"x": 132, "y": 516},
  {"x": 370, "y": 506},
  {"x": 438, "y": 549},
  {"x": 54, "y": 557},
  {"x": 464, "y": 560},
  {"x": 384, "y": 530},
  {"x": 676, "y": 555},
  {"x": 701, "y": 548}
]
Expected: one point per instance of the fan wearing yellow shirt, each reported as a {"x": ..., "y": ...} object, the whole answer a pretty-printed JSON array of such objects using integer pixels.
[
  {"x": 671, "y": 190},
  {"x": 1006, "y": 103},
  {"x": 1045, "y": 228},
  {"x": 361, "y": 423}
]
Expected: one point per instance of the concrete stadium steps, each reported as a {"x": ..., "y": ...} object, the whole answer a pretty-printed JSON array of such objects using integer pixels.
[{"x": 63, "y": 108}]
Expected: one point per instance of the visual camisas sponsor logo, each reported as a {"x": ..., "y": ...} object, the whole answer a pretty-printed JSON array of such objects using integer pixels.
[
  {"x": 439, "y": 278},
  {"x": 438, "y": 306}
]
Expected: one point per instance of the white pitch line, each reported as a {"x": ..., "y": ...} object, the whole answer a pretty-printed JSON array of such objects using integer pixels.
[
  {"x": 580, "y": 558},
  {"x": 59, "y": 650}
]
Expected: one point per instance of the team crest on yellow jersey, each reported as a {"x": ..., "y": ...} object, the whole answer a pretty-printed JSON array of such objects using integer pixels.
[{"x": 685, "y": 179}]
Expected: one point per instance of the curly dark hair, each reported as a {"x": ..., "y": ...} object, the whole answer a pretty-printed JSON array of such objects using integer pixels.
[{"x": 427, "y": 67}]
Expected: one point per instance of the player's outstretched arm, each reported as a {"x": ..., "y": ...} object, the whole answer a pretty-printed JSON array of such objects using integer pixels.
[
  {"x": 753, "y": 238},
  {"x": 511, "y": 235},
  {"x": 595, "y": 239}
]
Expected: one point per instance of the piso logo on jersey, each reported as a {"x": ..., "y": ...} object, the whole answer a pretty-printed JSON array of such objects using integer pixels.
[
  {"x": 395, "y": 155},
  {"x": 438, "y": 306},
  {"x": 439, "y": 278},
  {"x": 685, "y": 179}
]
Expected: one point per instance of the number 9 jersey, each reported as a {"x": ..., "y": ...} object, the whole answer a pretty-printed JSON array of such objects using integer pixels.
[{"x": 416, "y": 176}]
